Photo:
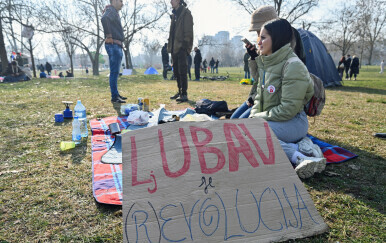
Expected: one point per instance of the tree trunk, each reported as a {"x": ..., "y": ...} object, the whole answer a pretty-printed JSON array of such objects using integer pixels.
[
  {"x": 3, "y": 51},
  {"x": 71, "y": 63},
  {"x": 31, "y": 52},
  {"x": 129, "y": 62},
  {"x": 95, "y": 66},
  {"x": 370, "y": 53}
]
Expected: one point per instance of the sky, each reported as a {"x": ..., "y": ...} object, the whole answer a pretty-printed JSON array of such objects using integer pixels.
[{"x": 212, "y": 16}]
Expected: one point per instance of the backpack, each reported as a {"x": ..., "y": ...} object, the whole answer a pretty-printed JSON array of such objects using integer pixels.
[
  {"x": 315, "y": 105},
  {"x": 205, "y": 106}
]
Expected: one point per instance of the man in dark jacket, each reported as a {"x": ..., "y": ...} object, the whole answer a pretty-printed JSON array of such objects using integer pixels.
[
  {"x": 48, "y": 68},
  {"x": 114, "y": 37},
  {"x": 347, "y": 64},
  {"x": 197, "y": 63},
  {"x": 180, "y": 45},
  {"x": 165, "y": 61}
]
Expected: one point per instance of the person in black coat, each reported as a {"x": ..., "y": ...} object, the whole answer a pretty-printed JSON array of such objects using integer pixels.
[
  {"x": 165, "y": 61},
  {"x": 189, "y": 59},
  {"x": 211, "y": 64},
  {"x": 354, "y": 67},
  {"x": 197, "y": 63},
  {"x": 48, "y": 68},
  {"x": 347, "y": 64},
  {"x": 41, "y": 68}
]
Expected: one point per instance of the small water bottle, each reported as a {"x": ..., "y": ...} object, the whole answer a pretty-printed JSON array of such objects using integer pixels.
[
  {"x": 80, "y": 111},
  {"x": 76, "y": 136}
]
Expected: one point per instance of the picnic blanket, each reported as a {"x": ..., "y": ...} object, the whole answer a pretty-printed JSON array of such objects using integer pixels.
[
  {"x": 107, "y": 178},
  {"x": 333, "y": 154}
]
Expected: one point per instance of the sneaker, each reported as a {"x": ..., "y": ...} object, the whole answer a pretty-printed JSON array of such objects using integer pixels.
[
  {"x": 308, "y": 148},
  {"x": 307, "y": 166},
  {"x": 118, "y": 100},
  {"x": 122, "y": 98},
  {"x": 182, "y": 98},
  {"x": 175, "y": 96}
]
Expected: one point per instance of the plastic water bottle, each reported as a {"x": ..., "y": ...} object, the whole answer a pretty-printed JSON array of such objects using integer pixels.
[
  {"x": 80, "y": 111},
  {"x": 76, "y": 137}
]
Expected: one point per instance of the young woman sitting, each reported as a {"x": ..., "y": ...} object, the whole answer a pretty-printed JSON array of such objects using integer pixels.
[{"x": 282, "y": 94}]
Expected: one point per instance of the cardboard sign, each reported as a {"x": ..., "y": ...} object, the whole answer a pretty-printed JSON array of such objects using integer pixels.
[{"x": 215, "y": 181}]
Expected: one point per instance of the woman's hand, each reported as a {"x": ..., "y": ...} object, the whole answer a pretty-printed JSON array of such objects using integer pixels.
[
  {"x": 252, "y": 51},
  {"x": 250, "y": 102}
]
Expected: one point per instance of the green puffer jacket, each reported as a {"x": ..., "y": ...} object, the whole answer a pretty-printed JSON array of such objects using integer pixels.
[{"x": 280, "y": 99}]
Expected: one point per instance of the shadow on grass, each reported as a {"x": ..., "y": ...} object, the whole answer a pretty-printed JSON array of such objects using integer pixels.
[
  {"x": 78, "y": 153},
  {"x": 361, "y": 178},
  {"x": 358, "y": 89},
  {"x": 109, "y": 208},
  {"x": 117, "y": 108}
]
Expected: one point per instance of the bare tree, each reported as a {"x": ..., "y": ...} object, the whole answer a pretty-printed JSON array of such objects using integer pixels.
[
  {"x": 290, "y": 10},
  {"x": 55, "y": 44},
  {"x": 23, "y": 14},
  {"x": 151, "y": 49},
  {"x": 372, "y": 19},
  {"x": 137, "y": 17},
  {"x": 342, "y": 29}
]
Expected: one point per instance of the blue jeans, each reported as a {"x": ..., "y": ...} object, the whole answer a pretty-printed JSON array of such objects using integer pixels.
[
  {"x": 242, "y": 112},
  {"x": 291, "y": 131},
  {"x": 247, "y": 74},
  {"x": 115, "y": 58}
]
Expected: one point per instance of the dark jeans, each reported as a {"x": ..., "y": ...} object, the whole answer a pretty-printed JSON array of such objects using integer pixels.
[
  {"x": 165, "y": 71},
  {"x": 180, "y": 69},
  {"x": 197, "y": 71},
  {"x": 190, "y": 75},
  {"x": 115, "y": 57},
  {"x": 347, "y": 69},
  {"x": 247, "y": 75}
]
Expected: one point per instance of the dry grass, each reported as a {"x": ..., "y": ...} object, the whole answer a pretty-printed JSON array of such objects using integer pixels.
[{"x": 46, "y": 195}]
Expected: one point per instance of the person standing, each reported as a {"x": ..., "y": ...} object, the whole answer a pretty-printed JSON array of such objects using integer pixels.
[
  {"x": 48, "y": 68},
  {"x": 354, "y": 67},
  {"x": 347, "y": 65},
  {"x": 197, "y": 63},
  {"x": 180, "y": 45},
  {"x": 189, "y": 60},
  {"x": 114, "y": 37},
  {"x": 247, "y": 73},
  {"x": 216, "y": 65},
  {"x": 341, "y": 69},
  {"x": 211, "y": 64},
  {"x": 382, "y": 65},
  {"x": 165, "y": 61},
  {"x": 204, "y": 63}
]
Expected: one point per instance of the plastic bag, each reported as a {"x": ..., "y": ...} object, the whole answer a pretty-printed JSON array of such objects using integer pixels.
[
  {"x": 126, "y": 109},
  {"x": 138, "y": 118}
]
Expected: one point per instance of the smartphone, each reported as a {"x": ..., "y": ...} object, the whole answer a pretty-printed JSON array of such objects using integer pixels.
[{"x": 246, "y": 41}]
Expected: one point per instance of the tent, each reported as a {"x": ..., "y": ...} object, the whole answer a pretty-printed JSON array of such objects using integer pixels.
[
  {"x": 151, "y": 70},
  {"x": 319, "y": 62}
]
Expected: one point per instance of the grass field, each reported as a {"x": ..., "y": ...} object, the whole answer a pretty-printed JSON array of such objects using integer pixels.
[{"x": 46, "y": 195}]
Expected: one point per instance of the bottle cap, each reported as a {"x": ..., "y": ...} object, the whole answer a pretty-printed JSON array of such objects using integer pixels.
[{"x": 75, "y": 117}]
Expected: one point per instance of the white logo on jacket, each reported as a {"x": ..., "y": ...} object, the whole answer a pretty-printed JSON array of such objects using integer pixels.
[{"x": 271, "y": 89}]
